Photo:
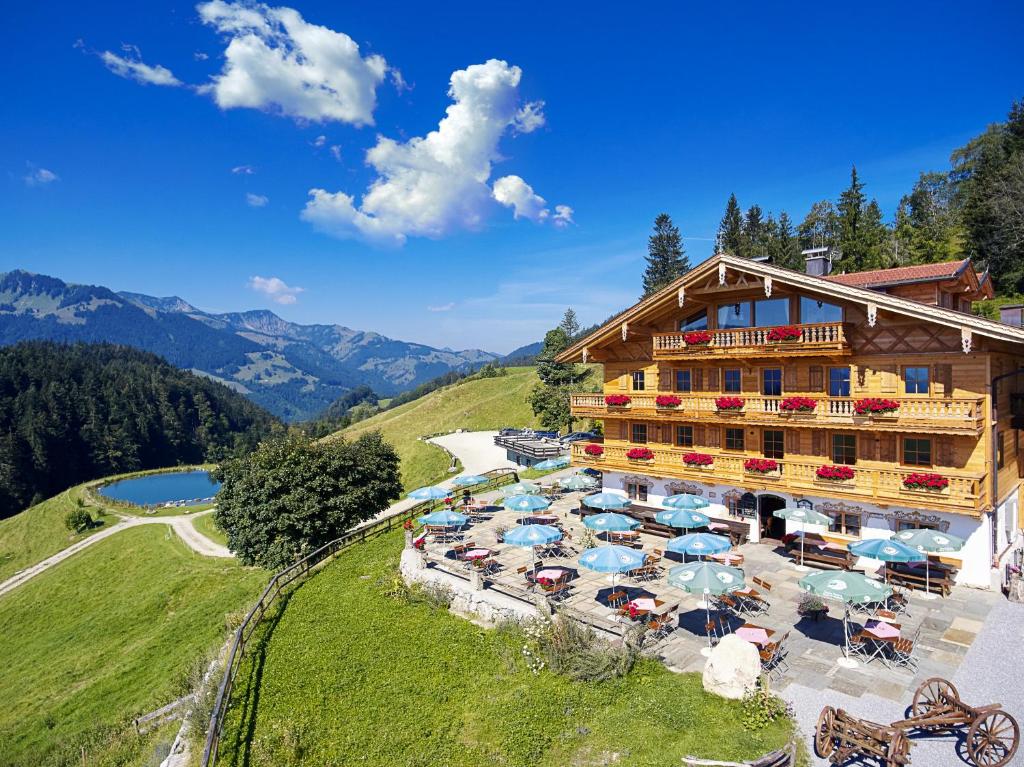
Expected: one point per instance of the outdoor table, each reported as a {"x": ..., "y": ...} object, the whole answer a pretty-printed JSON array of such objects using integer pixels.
[
  {"x": 542, "y": 519},
  {"x": 728, "y": 558},
  {"x": 882, "y": 636},
  {"x": 476, "y": 554},
  {"x": 553, "y": 573},
  {"x": 717, "y": 526},
  {"x": 626, "y": 536},
  {"x": 756, "y": 635},
  {"x": 643, "y": 606}
]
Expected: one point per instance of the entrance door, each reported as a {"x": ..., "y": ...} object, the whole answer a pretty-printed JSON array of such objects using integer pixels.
[{"x": 771, "y": 526}]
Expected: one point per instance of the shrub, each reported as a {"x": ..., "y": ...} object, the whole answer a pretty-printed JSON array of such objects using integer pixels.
[
  {"x": 697, "y": 338},
  {"x": 668, "y": 400},
  {"x": 761, "y": 708},
  {"x": 574, "y": 650},
  {"x": 811, "y": 603},
  {"x": 593, "y": 450},
  {"x": 784, "y": 333},
  {"x": 617, "y": 400},
  {"x": 875, "y": 406},
  {"x": 836, "y": 473},
  {"x": 798, "y": 404},
  {"x": 78, "y": 520},
  {"x": 925, "y": 481},
  {"x": 640, "y": 454},
  {"x": 698, "y": 459},
  {"x": 760, "y": 465},
  {"x": 729, "y": 403}
]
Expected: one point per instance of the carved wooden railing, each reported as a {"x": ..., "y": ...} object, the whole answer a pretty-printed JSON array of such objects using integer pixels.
[
  {"x": 824, "y": 336},
  {"x": 966, "y": 491},
  {"x": 963, "y": 414}
]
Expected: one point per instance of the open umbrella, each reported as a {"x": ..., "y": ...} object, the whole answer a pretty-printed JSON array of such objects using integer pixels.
[
  {"x": 699, "y": 544},
  {"x": 608, "y": 501},
  {"x": 706, "y": 578},
  {"x": 529, "y": 536},
  {"x": 522, "y": 488},
  {"x": 886, "y": 550},
  {"x": 552, "y": 463},
  {"x": 932, "y": 542},
  {"x": 612, "y": 559},
  {"x": 443, "y": 518},
  {"x": 609, "y": 520},
  {"x": 683, "y": 518},
  {"x": 429, "y": 493},
  {"x": 804, "y": 517},
  {"x": 468, "y": 479},
  {"x": 526, "y": 503},
  {"x": 577, "y": 482},
  {"x": 847, "y": 587},
  {"x": 685, "y": 501}
]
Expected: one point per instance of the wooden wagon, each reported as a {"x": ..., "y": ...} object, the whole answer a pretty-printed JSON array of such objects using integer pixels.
[{"x": 991, "y": 741}]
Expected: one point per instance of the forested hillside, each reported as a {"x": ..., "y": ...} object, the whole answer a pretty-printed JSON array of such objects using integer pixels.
[{"x": 72, "y": 413}]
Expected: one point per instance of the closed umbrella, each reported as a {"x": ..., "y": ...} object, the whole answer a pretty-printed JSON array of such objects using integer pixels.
[
  {"x": 551, "y": 463},
  {"x": 523, "y": 488},
  {"x": 530, "y": 536},
  {"x": 612, "y": 559},
  {"x": 804, "y": 517},
  {"x": 443, "y": 518},
  {"x": 706, "y": 578},
  {"x": 683, "y": 518},
  {"x": 609, "y": 520},
  {"x": 699, "y": 544},
  {"x": 526, "y": 503},
  {"x": 685, "y": 501},
  {"x": 932, "y": 542},
  {"x": 577, "y": 482},
  {"x": 607, "y": 501},
  {"x": 468, "y": 479},
  {"x": 429, "y": 493},
  {"x": 847, "y": 587}
]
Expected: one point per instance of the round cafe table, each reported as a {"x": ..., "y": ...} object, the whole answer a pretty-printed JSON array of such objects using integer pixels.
[
  {"x": 753, "y": 634},
  {"x": 553, "y": 573},
  {"x": 476, "y": 554}
]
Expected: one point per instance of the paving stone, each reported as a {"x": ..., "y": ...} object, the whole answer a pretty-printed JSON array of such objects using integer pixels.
[
  {"x": 853, "y": 689},
  {"x": 959, "y": 637}
]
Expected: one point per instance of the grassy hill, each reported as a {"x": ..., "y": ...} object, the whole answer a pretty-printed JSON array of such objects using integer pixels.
[
  {"x": 473, "y": 404},
  {"x": 105, "y": 636}
]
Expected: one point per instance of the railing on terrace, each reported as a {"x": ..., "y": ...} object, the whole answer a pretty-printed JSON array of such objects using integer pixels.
[
  {"x": 966, "y": 492},
  {"x": 948, "y": 413},
  {"x": 281, "y": 580},
  {"x": 824, "y": 336}
]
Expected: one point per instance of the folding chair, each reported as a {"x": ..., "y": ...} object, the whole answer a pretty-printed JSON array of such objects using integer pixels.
[
  {"x": 617, "y": 599},
  {"x": 724, "y": 626},
  {"x": 709, "y": 629},
  {"x": 903, "y": 651}
]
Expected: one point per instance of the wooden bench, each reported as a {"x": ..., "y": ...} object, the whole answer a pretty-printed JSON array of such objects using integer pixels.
[
  {"x": 784, "y": 757},
  {"x": 838, "y": 559},
  {"x": 939, "y": 578},
  {"x": 738, "y": 532}
]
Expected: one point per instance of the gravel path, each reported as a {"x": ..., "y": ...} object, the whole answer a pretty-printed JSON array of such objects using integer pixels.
[
  {"x": 990, "y": 673},
  {"x": 475, "y": 450}
]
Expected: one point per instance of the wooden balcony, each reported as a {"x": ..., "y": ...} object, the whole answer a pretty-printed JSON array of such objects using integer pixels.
[
  {"x": 827, "y": 338},
  {"x": 965, "y": 494},
  {"x": 945, "y": 415}
]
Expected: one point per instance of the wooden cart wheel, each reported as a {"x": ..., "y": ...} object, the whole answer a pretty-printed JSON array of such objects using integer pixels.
[
  {"x": 823, "y": 744},
  {"x": 993, "y": 739},
  {"x": 932, "y": 694},
  {"x": 899, "y": 750}
]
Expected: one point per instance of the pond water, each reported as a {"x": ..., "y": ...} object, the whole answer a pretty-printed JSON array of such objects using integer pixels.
[{"x": 160, "y": 489}]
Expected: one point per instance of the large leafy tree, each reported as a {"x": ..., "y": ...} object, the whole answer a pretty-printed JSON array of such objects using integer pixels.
[
  {"x": 550, "y": 397},
  {"x": 929, "y": 227},
  {"x": 666, "y": 258},
  {"x": 730, "y": 230},
  {"x": 820, "y": 227},
  {"x": 292, "y": 495}
]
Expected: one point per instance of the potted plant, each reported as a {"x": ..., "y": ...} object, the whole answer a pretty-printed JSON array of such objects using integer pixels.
[
  {"x": 668, "y": 400},
  {"x": 926, "y": 481},
  {"x": 797, "y": 406},
  {"x": 784, "y": 333},
  {"x": 640, "y": 454},
  {"x": 593, "y": 451},
  {"x": 761, "y": 466},
  {"x": 729, "y": 405},
  {"x": 812, "y": 606},
  {"x": 841, "y": 473},
  {"x": 697, "y": 338},
  {"x": 499, "y": 533},
  {"x": 698, "y": 460},
  {"x": 617, "y": 400},
  {"x": 876, "y": 407}
]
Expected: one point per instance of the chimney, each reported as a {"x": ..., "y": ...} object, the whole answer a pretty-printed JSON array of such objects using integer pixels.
[
  {"x": 818, "y": 260},
  {"x": 1012, "y": 314}
]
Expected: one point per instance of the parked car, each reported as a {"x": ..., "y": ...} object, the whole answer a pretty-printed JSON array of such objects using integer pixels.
[{"x": 577, "y": 436}]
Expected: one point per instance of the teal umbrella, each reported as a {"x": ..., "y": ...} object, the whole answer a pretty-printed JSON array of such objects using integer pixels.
[
  {"x": 685, "y": 501},
  {"x": 886, "y": 550},
  {"x": 612, "y": 559},
  {"x": 429, "y": 493},
  {"x": 528, "y": 536},
  {"x": 608, "y": 501},
  {"x": 699, "y": 544},
  {"x": 804, "y": 517},
  {"x": 551, "y": 463},
  {"x": 706, "y": 578},
  {"x": 443, "y": 518},
  {"x": 468, "y": 479},
  {"x": 932, "y": 542},
  {"x": 522, "y": 488},
  {"x": 609, "y": 520},
  {"x": 526, "y": 503},
  {"x": 577, "y": 482},
  {"x": 682, "y": 518},
  {"x": 847, "y": 587}
]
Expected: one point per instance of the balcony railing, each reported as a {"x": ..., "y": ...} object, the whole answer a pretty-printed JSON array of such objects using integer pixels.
[
  {"x": 966, "y": 492},
  {"x": 962, "y": 415},
  {"x": 754, "y": 342}
]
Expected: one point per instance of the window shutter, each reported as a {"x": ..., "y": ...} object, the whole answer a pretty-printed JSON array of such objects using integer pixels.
[
  {"x": 819, "y": 443},
  {"x": 887, "y": 448},
  {"x": 699, "y": 436},
  {"x": 665, "y": 380},
  {"x": 792, "y": 441},
  {"x": 623, "y": 429},
  {"x": 624, "y": 381},
  {"x": 944, "y": 378},
  {"x": 789, "y": 378},
  {"x": 817, "y": 378},
  {"x": 697, "y": 384},
  {"x": 668, "y": 433},
  {"x": 713, "y": 438},
  {"x": 944, "y": 451},
  {"x": 713, "y": 379},
  {"x": 887, "y": 379},
  {"x": 867, "y": 447}
]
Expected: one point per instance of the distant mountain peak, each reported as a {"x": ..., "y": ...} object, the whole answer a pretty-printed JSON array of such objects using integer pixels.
[{"x": 164, "y": 304}]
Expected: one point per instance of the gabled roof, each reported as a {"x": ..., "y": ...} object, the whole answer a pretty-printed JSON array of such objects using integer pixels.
[
  {"x": 668, "y": 296},
  {"x": 901, "y": 275}
]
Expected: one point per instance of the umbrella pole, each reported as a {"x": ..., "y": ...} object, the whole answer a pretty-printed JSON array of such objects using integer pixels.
[{"x": 803, "y": 534}]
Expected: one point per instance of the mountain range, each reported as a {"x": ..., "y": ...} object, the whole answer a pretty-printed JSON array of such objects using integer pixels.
[{"x": 294, "y": 371}]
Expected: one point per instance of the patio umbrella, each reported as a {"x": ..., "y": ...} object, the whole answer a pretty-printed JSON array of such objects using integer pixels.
[
  {"x": 706, "y": 578},
  {"x": 551, "y": 463},
  {"x": 683, "y": 518},
  {"x": 609, "y": 520},
  {"x": 847, "y": 587},
  {"x": 529, "y": 536},
  {"x": 608, "y": 501},
  {"x": 523, "y": 488},
  {"x": 886, "y": 550},
  {"x": 444, "y": 518},
  {"x": 932, "y": 542},
  {"x": 577, "y": 482},
  {"x": 804, "y": 517},
  {"x": 685, "y": 501},
  {"x": 526, "y": 503},
  {"x": 429, "y": 493},
  {"x": 468, "y": 479},
  {"x": 612, "y": 559},
  {"x": 699, "y": 544}
]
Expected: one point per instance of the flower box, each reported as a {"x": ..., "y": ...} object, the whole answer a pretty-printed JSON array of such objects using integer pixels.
[
  {"x": 729, "y": 404},
  {"x": 764, "y": 466},
  {"x": 876, "y": 407},
  {"x": 927, "y": 482},
  {"x": 839, "y": 473},
  {"x": 798, "y": 406},
  {"x": 698, "y": 460},
  {"x": 617, "y": 400},
  {"x": 640, "y": 454},
  {"x": 784, "y": 333},
  {"x": 594, "y": 451},
  {"x": 668, "y": 400},
  {"x": 697, "y": 338}
]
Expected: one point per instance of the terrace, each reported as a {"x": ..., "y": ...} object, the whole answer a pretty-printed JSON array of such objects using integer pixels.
[{"x": 810, "y": 339}]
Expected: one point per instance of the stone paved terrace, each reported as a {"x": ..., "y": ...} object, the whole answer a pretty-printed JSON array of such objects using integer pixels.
[{"x": 949, "y": 626}]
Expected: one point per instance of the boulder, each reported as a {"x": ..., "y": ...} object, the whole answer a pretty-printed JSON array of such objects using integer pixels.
[{"x": 732, "y": 668}]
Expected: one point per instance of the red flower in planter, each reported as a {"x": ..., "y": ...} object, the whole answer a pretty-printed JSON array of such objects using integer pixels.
[
  {"x": 921, "y": 480},
  {"x": 407, "y": 525},
  {"x": 760, "y": 465},
  {"x": 617, "y": 400},
  {"x": 698, "y": 459},
  {"x": 798, "y": 404},
  {"x": 668, "y": 400},
  {"x": 594, "y": 450},
  {"x": 784, "y": 333},
  {"x": 875, "y": 406},
  {"x": 640, "y": 454},
  {"x": 729, "y": 403},
  {"x": 633, "y": 611},
  {"x": 697, "y": 338},
  {"x": 419, "y": 543},
  {"x": 837, "y": 473}
]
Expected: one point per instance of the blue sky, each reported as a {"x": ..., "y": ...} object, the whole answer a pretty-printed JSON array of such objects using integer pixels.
[{"x": 121, "y": 126}]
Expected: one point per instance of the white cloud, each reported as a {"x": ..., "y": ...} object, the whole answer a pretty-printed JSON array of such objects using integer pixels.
[
  {"x": 243, "y": 170},
  {"x": 40, "y": 177},
  {"x": 431, "y": 185},
  {"x": 200, "y": 56},
  {"x": 277, "y": 61},
  {"x": 276, "y": 288},
  {"x": 515, "y": 193},
  {"x": 563, "y": 216},
  {"x": 256, "y": 200},
  {"x": 442, "y": 308},
  {"x": 530, "y": 117},
  {"x": 336, "y": 152},
  {"x": 131, "y": 67},
  {"x": 320, "y": 141}
]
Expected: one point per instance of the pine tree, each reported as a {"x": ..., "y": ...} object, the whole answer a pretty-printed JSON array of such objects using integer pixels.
[
  {"x": 730, "y": 230},
  {"x": 753, "y": 233},
  {"x": 570, "y": 324},
  {"x": 666, "y": 259},
  {"x": 549, "y": 399},
  {"x": 820, "y": 227},
  {"x": 863, "y": 235}
]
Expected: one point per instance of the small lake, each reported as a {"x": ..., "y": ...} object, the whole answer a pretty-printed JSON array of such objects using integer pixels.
[{"x": 158, "y": 489}]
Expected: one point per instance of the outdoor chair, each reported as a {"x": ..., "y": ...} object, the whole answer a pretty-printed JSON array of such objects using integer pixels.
[
  {"x": 644, "y": 573},
  {"x": 903, "y": 651},
  {"x": 723, "y": 625},
  {"x": 762, "y": 583},
  {"x": 660, "y": 626},
  {"x": 487, "y": 566},
  {"x": 558, "y": 592},
  {"x": 898, "y": 602},
  {"x": 617, "y": 599},
  {"x": 709, "y": 629},
  {"x": 773, "y": 657}
]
